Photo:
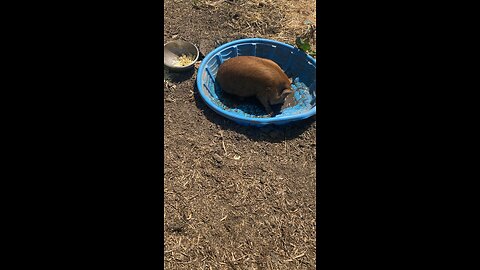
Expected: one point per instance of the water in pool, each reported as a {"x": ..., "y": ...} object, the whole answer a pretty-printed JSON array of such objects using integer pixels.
[{"x": 302, "y": 100}]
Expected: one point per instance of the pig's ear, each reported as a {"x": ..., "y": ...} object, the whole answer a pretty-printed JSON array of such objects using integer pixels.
[{"x": 286, "y": 92}]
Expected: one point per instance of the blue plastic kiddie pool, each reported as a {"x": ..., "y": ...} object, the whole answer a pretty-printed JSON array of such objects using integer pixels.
[{"x": 294, "y": 62}]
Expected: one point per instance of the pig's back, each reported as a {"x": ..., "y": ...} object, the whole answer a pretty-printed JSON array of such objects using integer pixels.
[{"x": 247, "y": 75}]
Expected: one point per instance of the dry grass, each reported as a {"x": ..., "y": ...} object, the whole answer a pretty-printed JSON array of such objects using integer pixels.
[
  {"x": 257, "y": 212},
  {"x": 239, "y": 214},
  {"x": 280, "y": 20}
]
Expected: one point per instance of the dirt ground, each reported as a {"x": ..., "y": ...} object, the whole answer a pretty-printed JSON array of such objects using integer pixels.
[{"x": 235, "y": 197}]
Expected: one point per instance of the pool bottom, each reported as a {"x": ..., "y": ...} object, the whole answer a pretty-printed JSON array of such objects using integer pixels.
[{"x": 302, "y": 101}]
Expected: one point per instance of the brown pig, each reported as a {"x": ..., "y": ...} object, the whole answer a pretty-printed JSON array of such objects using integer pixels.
[{"x": 246, "y": 76}]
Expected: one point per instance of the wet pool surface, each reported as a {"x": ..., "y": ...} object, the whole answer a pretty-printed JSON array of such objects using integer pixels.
[{"x": 302, "y": 100}]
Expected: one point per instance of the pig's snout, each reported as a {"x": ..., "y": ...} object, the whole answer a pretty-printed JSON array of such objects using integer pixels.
[{"x": 281, "y": 98}]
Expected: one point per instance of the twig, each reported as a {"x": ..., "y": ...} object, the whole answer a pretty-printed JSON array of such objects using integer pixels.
[
  {"x": 286, "y": 148},
  {"x": 294, "y": 258},
  {"x": 223, "y": 143},
  {"x": 216, "y": 3}
]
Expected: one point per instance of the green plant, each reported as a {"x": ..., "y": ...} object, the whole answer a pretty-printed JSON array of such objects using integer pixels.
[{"x": 304, "y": 41}]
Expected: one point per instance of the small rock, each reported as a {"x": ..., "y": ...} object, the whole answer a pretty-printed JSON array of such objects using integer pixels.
[
  {"x": 177, "y": 227},
  {"x": 217, "y": 158}
]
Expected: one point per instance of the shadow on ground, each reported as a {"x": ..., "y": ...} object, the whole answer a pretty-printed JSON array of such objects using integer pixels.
[
  {"x": 270, "y": 133},
  {"x": 178, "y": 77}
]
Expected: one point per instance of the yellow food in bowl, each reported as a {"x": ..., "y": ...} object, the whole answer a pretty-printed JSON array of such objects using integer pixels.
[{"x": 184, "y": 60}]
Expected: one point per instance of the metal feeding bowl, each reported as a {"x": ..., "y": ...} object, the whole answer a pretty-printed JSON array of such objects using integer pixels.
[
  {"x": 180, "y": 55},
  {"x": 298, "y": 65}
]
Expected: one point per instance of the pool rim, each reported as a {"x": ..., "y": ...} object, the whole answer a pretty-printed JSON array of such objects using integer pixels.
[{"x": 235, "y": 116}]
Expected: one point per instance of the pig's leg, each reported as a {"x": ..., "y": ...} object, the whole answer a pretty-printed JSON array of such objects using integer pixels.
[{"x": 264, "y": 100}]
